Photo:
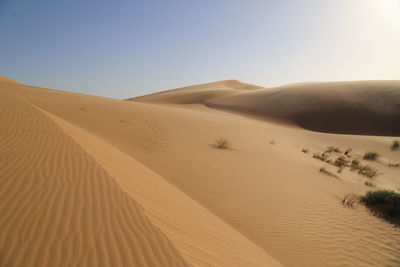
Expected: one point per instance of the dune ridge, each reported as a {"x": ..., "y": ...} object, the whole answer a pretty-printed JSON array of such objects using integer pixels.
[
  {"x": 358, "y": 107},
  {"x": 8, "y": 80}
]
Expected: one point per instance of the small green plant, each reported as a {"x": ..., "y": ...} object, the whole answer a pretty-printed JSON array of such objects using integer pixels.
[
  {"x": 350, "y": 199},
  {"x": 333, "y": 149},
  {"x": 395, "y": 145},
  {"x": 371, "y": 156},
  {"x": 368, "y": 171},
  {"x": 384, "y": 203},
  {"x": 221, "y": 144}
]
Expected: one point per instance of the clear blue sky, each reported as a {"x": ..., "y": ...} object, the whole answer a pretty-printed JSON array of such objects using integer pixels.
[{"x": 125, "y": 48}]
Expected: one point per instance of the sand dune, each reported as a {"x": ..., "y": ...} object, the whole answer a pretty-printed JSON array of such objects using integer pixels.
[
  {"x": 60, "y": 208},
  {"x": 363, "y": 107},
  {"x": 91, "y": 181}
]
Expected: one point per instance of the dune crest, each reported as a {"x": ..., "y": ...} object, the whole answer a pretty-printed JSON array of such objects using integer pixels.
[{"x": 8, "y": 80}]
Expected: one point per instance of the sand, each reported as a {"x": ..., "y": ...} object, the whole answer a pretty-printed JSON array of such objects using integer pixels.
[{"x": 92, "y": 181}]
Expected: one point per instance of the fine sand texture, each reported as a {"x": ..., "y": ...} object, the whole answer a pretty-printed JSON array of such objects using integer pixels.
[{"x": 93, "y": 181}]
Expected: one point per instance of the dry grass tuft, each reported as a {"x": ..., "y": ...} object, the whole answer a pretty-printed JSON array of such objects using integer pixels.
[
  {"x": 305, "y": 150},
  {"x": 355, "y": 165},
  {"x": 371, "y": 156},
  {"x": 395, "y": 145},
  {"x": 351, "y": 200},
  {"x": 394, "y": 165},
  {"x": 368, "y": 171},
  {"x": 323, "y": 157},
  {"x": 325, "y": 171},
  {"x": 330, "y": 149},
  {"x": 369, "y": 183},
  {"x": 221, "y": 144}
]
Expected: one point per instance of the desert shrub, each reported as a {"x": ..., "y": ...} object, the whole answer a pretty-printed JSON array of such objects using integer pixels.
[
  {"x": 395, "y": 145},
  {"x": 221, "y": 144},
  {"x": 384, "y": 203},
  {"x": 347, "y": 151},
  {"x": 367, "y": 171},
  {"x": 371, "y": 156},
  {"x": 332, "y": 149},
  {"x": 350, "y": 199}
]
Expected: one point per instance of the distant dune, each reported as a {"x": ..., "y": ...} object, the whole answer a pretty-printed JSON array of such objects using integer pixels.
[
  {"x": 93, "y": 181},
  {"x": 360, "y": 107}
]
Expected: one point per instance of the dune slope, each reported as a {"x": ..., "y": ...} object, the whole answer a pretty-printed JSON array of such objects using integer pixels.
[
  {"x": 361, "y": 107},
  {"x": 75, "y": 200},
  {"x": 59, "y": 208}
]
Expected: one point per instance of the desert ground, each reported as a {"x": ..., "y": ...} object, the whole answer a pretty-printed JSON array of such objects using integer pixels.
[{"x": 217, "y": 174}]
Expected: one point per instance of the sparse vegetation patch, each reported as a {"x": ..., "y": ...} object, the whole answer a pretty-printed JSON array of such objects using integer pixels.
[
  {"x": 341, "y": 162},
  {"x": 367, "y": 171},
  {"x": 221, "y": 144},
  {"x": 323, "y": 157}
]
